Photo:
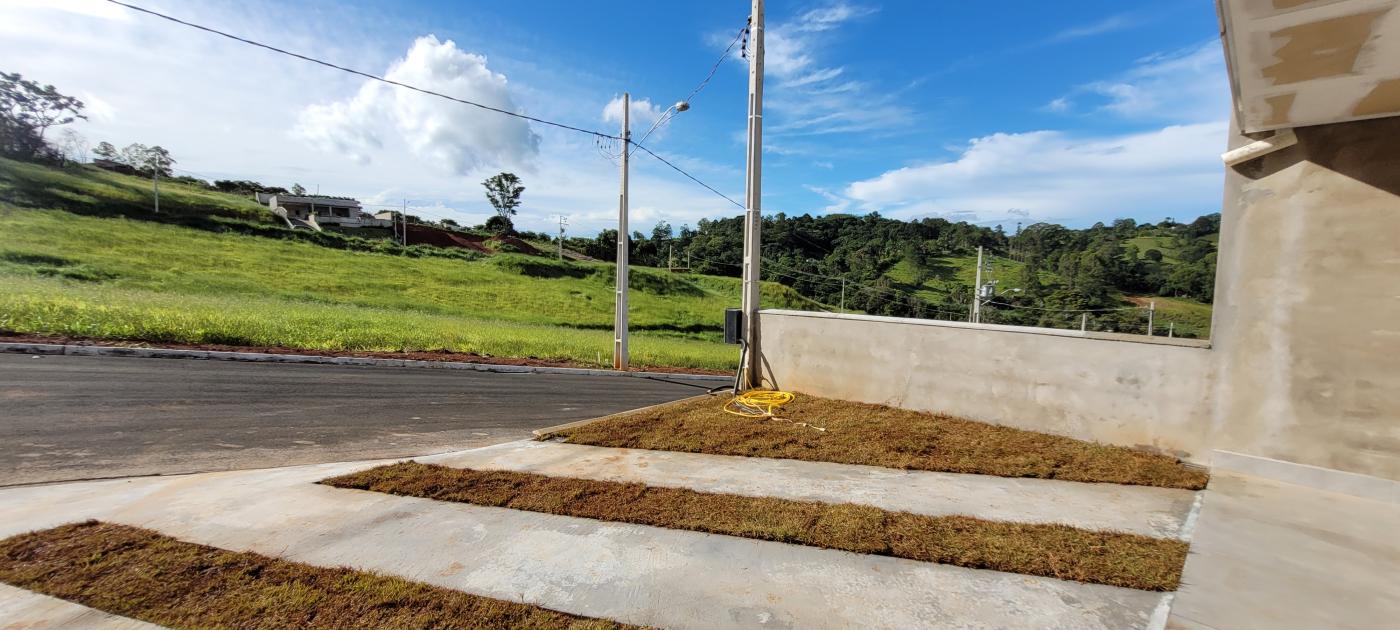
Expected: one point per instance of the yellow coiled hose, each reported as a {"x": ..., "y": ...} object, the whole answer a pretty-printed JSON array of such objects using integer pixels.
[{"x": 758, "y": 403}]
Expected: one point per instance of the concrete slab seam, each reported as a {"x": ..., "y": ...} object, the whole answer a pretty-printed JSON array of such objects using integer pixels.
[{"x": 172, "y": 353}]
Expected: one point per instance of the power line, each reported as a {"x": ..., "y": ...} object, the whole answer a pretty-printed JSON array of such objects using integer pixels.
[
  {"x": 688, "y": 175},
  {"x": 366, "y": 75}
]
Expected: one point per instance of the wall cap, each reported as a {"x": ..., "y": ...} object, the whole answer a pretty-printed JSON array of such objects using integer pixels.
[{"x": 1203, "y": 344}]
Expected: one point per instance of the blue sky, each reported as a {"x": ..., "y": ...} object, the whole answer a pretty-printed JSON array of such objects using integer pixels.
[{"x": 996, "y": 113}]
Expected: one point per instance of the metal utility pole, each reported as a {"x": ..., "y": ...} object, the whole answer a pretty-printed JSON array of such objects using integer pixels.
[
  {"x": 620, "y": 302},
  {"x": 976, "y": 314},
  {"x": 563, "y": 222},
  {"x": 753, "y": 207}
]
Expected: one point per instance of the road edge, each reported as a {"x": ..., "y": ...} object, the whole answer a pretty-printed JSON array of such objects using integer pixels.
[
  {"x": 265, "y": 357},
  {"x": 545, "y": 432}
]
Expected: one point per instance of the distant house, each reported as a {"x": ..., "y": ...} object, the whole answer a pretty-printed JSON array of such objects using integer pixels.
[{"x": 313, "y": 211}]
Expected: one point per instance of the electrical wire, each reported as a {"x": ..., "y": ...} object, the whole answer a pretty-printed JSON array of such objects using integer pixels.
[
  {"x": 366, "y": 75},
  {"x": 688, "y": 175}
]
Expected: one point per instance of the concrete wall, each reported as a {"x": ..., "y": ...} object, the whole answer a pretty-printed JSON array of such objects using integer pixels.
[
  {"x": 1092, "y": 386},
  {"x": 1304, "y": 362},
  {"x": 1307, "y": 314}
]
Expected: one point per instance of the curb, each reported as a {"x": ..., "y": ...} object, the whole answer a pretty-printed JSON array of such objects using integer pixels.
[
  {"x": 265, "y": 357},
  {"x": 547, "y": 431}
]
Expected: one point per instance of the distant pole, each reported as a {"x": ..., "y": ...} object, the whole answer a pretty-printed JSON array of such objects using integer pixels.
[
  {"x": 976, "y": 315},
  {"x": 753, "y": 209},
  {"x": 843, "y": 294},
  {"x": 1171, "y": 329},
  {"x": 620, "y": 301},
  {"x": 155, "y": 182},
  {"x": 671, "y": 259},
  {"x": 1151, "y": 316},
  {"x": 404, "y": 216},
  {"x": 1083, "y": 322},
  {"x": 563, "y": 221}
]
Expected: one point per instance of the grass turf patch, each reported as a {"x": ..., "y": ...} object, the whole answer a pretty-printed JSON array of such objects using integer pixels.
[
  {"x": 142, "y": 574},
  {"x": 1058, "y": 551},
  {"x": 876, "y": 435}
]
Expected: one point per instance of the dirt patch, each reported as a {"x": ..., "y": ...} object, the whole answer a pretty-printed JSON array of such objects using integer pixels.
[
  {"x": 1058, "y": 551},
  {"x": 142, "y": 574},
  {"x": 876, "y": 435},
  {"x": 421, "y": 355}
]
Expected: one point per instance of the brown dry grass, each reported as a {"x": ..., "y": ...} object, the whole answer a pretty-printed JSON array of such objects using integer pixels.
[
  {"x": 1058, "y": 551},
  {"x": 141, "y": 574},
  {"x": 876, "y": 435}
]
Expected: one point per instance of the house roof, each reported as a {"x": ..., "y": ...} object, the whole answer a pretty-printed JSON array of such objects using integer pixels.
[{"x": 320, "y": 200}]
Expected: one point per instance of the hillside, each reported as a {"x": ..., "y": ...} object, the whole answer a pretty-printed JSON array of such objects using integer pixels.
[{"x": 104, "y": 276}]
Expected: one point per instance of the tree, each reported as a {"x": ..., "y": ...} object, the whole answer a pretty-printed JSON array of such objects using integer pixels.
[
  {"x": 499, "y": 224},
  {"x": 73, "y": 145},
  {"x": 298, "y": 190},
  {"x": 1153, "y": 255},
  {"x": 157, "y": 160},
  {"x": 106, "y": 151},
  {"x": 134, "y": 155},
  {"x": 28, "y": 110},
  {"x": 503, "y": 190}
]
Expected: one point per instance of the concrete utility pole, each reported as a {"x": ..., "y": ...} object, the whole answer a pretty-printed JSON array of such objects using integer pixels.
[
  {"x": 404, "y": 216},
  {"x": 1151, "y": 316},
  {"x": 563, "y": 221},
  {"x": 620, "y": 302},
  {"x": 155, "y": 182},
  {"x": 976, "y": 314},
  {"x": 753, "y": 213}
]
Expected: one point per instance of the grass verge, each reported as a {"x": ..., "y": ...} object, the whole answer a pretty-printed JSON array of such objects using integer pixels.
[
  {"x": 141, "y": 574},
  {"x": 876, "y": 435},
  {"x": 1058, "y": 551}
]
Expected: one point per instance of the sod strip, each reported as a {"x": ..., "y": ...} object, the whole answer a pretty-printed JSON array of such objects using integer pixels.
[
  {"x": 876, "y": 435},
  {"x": 1058, "y": 551},
  {"x": 144, "y": 575}
]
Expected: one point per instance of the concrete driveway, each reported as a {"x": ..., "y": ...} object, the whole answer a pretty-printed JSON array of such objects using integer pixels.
[{"x": 66, "y": 418}]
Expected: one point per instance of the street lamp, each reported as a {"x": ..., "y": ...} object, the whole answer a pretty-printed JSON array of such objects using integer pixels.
[{"x": 620, "y": 354}]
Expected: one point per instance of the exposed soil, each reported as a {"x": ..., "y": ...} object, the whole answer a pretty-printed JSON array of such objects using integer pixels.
[
  {"x": 422, "y": 355},
  {"x": 1058, "y": 551},
  {"x": 876, "y": 435},
  {"x": 145, "y": 575}
]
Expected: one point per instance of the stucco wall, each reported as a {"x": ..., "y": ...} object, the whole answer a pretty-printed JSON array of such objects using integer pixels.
[
  {"x": 1307, "y": 318},
  {"x": 1085, "y": 385},
  {"x": 1303, "y": 365}
]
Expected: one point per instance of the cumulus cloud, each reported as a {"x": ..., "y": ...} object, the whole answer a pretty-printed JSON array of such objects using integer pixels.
[
  {"x": 459, "y": 138},
  {"x": 1053, "y": 175}
]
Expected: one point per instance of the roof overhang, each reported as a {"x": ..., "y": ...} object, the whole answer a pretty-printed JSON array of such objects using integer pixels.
[{"x": 1295, "y": 63}]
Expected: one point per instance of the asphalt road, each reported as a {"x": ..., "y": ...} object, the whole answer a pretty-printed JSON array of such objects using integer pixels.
[{"x": 65, "y": 418}]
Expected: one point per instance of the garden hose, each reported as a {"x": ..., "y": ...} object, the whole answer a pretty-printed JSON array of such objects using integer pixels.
[{"x": 758, "y": 403}]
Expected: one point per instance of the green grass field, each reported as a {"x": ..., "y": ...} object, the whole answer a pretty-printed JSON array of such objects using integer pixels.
[
  {"x": 961, "y": 271},
  {"x": 1191, "y": 318},
  {"x": 111, "y": 277}
]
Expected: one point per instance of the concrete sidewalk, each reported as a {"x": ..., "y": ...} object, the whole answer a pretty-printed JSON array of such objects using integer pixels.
[
  {"x": 642, "y": 575},
  {"x": 1158, "y": 512},
  {"x": 23, "y": 610},
  {"x": 1269, "y": 554}
]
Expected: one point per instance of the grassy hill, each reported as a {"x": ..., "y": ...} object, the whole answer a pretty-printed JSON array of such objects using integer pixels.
[
  {"x": 944, "y": 274},
  {"x": 106, "y": 276}
]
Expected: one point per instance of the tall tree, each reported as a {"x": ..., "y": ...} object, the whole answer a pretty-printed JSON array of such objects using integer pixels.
[
  {"x": 105, "y": 151},
  {"x": 28, "y": 110},
  {"x": 503, "y": 190}
]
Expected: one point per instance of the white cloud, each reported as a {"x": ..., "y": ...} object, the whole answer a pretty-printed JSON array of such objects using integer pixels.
[
  {"x": 458, "y": 137},
  {"x": 1188, "y": 85},
  {"x": 1056, "y": 176},
  {"x": 644, "y": 114},
  {"x": 1109, "y": 24},
  {"x": 805, "y": 96}
]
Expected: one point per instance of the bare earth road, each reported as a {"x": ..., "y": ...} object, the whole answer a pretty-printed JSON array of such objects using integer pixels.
[{"x": 65, "y": 418}]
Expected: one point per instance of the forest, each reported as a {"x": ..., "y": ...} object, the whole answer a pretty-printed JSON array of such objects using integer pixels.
[{"x": 1042, "y": 275}]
